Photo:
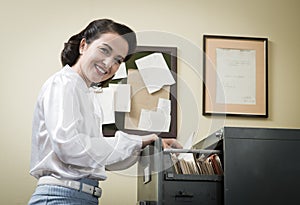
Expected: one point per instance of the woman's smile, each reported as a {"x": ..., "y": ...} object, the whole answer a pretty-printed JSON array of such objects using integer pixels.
[{"x": 99, "y": 70}]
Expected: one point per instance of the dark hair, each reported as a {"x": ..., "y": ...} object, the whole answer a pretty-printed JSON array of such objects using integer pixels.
[{"x": 93, "y": 31}]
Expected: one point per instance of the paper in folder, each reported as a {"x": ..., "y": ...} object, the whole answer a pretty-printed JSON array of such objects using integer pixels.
[{"x": 196, "y": 161}]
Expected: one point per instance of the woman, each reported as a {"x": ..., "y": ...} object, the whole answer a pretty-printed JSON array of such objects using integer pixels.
[{"x": 69, "y": 152}]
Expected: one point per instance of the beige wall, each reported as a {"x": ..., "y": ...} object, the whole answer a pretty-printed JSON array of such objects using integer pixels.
[{"x": 33, "y": 33}]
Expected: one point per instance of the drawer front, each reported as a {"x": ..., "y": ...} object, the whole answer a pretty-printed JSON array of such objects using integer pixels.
[{"x": 192, "y": 193}]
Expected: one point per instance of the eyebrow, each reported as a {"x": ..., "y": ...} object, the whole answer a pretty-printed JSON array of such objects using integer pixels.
[{"x": 110, "y": 48}]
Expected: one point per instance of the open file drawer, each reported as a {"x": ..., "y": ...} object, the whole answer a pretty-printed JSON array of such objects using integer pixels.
[{"x": 158, "y": 182}]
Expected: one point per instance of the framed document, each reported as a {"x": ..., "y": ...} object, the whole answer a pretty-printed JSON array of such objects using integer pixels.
[{"x": 235, "y": 76}]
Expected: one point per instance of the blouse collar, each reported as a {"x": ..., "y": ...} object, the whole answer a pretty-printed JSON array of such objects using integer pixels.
[{"x": 80, "y": 81}]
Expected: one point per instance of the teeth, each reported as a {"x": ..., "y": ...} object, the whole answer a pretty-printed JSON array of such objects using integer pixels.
[{"x": 100, "y": 69}]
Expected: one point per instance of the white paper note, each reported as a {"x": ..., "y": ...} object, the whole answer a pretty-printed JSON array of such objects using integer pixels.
[
  {"x": 164, "y": 105},
  {"x": 105, "y": 100},
  {"x": 121, "y": 72},
  {"x": 155, "y": 72},
  {"x": 188, "y": 145},
  {"x": 154, "y": 121},
  {"x": 122, "y": 97}
]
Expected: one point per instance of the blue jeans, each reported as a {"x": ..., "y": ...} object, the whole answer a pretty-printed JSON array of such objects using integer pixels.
[{"x": 52, "y": 194}]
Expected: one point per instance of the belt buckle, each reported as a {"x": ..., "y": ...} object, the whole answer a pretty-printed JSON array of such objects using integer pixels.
[
  {"x": 93, "y": 190},
  {"x": 97, "y": 191}
]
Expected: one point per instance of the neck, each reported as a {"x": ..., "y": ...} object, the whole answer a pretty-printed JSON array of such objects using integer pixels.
[{"x": 78, "y": 69}]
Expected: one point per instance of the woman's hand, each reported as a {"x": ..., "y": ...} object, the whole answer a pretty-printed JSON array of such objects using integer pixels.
[
  {"x": 171, "y": 143},
  {"x": 166, "y": 142},
  {"x": 148, "y": 139}
]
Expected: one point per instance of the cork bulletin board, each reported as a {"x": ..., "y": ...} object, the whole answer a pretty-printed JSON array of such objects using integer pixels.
[{"x": 141, "y": 99}]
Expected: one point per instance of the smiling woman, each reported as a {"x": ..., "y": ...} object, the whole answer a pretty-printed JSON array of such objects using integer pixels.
[
  {"x": 101, "y": 59},
  {"x": 110, "y": 32},
  {"x": 69, "y": 152}
]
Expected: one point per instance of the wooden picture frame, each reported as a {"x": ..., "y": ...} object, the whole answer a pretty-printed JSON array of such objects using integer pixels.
[
  {"x": 170, "y": 55},
  {"x": 235, "y": 76}
]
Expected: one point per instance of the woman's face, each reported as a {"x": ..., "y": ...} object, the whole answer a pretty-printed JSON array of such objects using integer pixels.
[{"x": 101, "y": 59}]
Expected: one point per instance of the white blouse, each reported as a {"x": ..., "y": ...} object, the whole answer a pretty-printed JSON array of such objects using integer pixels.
[{"x": 67, "y": 139}]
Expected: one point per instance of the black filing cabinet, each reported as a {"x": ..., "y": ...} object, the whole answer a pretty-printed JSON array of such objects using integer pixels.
[{"x": 261, "y": 166}]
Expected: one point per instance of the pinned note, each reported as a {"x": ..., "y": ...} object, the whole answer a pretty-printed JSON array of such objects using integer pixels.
[
  {"x": 121, "y": 72},
  {"x": 105, "y": 100},
  {"x": 121, "y": 97},
  {"x": 155, "y": 72},
  {"x": 154, "y": 121},
  {"x": 164, "y": 105}
]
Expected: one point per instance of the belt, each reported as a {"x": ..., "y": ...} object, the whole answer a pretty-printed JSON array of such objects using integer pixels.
[{"x": 77, "y": 185}]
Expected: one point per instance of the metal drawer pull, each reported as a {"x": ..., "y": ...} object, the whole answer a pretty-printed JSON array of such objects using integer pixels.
[{"x": 184, "y": 194}]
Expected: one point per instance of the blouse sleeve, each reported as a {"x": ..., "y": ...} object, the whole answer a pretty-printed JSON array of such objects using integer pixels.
[
  {"x": 113, "y": 163},
  {"x": 74, "y": 129}
]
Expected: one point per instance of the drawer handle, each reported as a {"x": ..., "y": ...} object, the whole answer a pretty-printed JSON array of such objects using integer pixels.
[{"x": 184, "y": 194}]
